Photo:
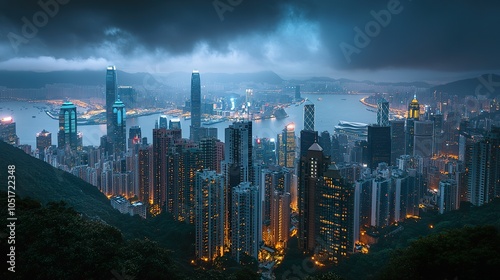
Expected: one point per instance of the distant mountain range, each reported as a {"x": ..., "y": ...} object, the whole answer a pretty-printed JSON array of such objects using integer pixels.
[
  {"x": 29, "y": 79},
  {"x": 485, "y": 84}
]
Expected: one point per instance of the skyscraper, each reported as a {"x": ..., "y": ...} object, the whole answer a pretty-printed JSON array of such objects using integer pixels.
[
  {"x": 382, "y": 112},
  {"x": 67, "y": 135},
  {"x": 312, "y": 166},
  {"x": 8, "y": 131},
  {"x": 163, "y": 122},
  {"x": 119, "y": 128},
  {"x": 43, "y": 140},
  {"x": 484, "y": 175},
  {"x": 237, "y": 166},
  {"x": 308, "y": 115},
  {"x": 144, "y": 173},
  {"x": 334, "y": 217},
  {"x": 246, "y": 224},
  {"x": 134, "y": 137},
  {"x": 160, "y": 146},
  {"x": 286, "y": 146},
  {"x": 423, "y": 138},
  {"x": 397, "y": 140},
  {"x": 174, "y": 123},
  {"x": 379, "y": 145},
  {"x": 297, "y": 93},
  {"x": 209, "y": 213},
  {"x": 413, "y": 115},
  {"x": 111, "y": 93},
  {"x": 195, "y": 106},
  {"x": 280, "y": 218}
]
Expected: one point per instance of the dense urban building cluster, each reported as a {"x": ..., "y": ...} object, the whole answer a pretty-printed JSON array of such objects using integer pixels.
[{"x": 247, "y": 196}]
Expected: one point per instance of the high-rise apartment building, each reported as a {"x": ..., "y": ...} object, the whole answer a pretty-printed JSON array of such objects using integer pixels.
[{"x": 209, "y": 215}]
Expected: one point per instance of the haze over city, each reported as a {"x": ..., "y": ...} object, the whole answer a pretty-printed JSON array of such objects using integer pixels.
[
  {"x": 387, "y": 40},
  {"x": 259, "y": 140}
]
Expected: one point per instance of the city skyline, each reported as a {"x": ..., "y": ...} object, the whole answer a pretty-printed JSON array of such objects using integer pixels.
[{"x": 380, "y": 41}]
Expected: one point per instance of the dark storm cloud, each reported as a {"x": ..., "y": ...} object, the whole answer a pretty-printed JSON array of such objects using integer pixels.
[
  {"x": 425, "y": 34},
  {"x": 174, "y": 26}
]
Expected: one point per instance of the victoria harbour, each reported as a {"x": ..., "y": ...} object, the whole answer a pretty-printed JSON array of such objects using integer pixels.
[{"x": 330, "y": 109}]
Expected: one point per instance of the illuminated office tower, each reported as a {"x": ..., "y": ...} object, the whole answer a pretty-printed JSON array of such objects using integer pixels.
[
  {"x": 265, "y": 151},
  {"x": 287, "y": 146},
  {"x": 246, "y": 225},
  {"x": 334, "y": 225},
  {"x": 8, "y": 131},
  {"x": 312, "y": 166},
  {"x": 308, "y": 115},
  {"x": 382, "y": 112},
  {"x": 119, "y": 134},
  {"x": 280, "y": 219},
  {"x": 163, "y": 121},
  {"x": 195, "y": 106},
  {"x": 111, "y": 94},
  {"x": 413, "y": 115},
  {"x": 237, "y": 166},
  {"x": 209, "y": 215},
  {"x": 67, "y": 135},
  {"x": 43, "y": 140}
]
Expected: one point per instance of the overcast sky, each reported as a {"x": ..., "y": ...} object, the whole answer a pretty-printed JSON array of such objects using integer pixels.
[{"x": 385, "y": 40}]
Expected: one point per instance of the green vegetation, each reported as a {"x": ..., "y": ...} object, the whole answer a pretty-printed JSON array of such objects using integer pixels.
[{"x": 56, "y": 242}]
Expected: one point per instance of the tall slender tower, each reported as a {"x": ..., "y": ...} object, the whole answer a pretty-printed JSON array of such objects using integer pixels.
[
  {"x": 309, "y": 115},
  {"x": 67, "y": 135},
  {"x": 382, "y": 112},
  {"x": 195, "y": 106},
  {"x": 118, "y": 137},
  {"x": 111, "y": 91},
  {"x": 413, "y": 115},
  {"x": 286, "y": 146}
]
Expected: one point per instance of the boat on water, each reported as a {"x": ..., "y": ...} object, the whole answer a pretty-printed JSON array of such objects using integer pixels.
[
  {"x": 319, "y": 98},
  {"x": 33, "y": 116}
]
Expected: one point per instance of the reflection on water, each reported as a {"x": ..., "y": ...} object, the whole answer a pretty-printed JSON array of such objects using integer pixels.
[{"x": 329, "y": 110}]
